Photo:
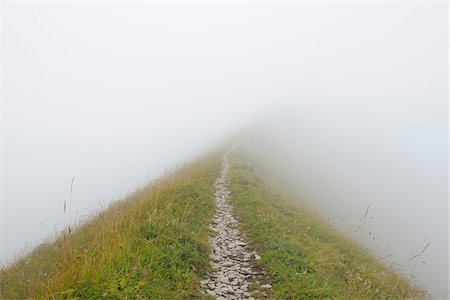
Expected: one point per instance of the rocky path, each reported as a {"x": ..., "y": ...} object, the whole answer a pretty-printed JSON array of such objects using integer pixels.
[{"x": 235, "y": 274}]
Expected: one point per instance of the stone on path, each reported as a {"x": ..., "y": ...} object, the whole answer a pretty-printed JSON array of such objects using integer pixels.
[{"x": 235, "y": 274}]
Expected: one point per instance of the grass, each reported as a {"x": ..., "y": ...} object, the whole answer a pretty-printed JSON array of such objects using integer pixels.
[
  {"x": 305, "y": 258},
  {"x": 152, "y": 245}
]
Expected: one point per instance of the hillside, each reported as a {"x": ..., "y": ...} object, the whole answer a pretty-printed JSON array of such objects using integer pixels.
[
  {"x": 152, "y": 245},
  {"x": 156, "y": 245},
  {"x": 305, "y": 257}
]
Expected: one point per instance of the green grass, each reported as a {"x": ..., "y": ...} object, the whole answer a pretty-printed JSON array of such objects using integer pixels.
[
  {"x": 152, "y": 245},
  {"x": 304, "y": 257}
]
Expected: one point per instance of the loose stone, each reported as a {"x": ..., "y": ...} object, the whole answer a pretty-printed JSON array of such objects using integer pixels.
[{"x": 234, "y": 267}]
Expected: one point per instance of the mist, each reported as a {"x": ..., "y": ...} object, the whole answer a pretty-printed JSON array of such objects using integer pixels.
[
  {"x": 382, "y": 181},
  {"x": 347, "y": 102}
]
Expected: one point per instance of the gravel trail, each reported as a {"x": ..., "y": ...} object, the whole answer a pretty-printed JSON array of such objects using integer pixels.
[{"x": 235, "y": 274}]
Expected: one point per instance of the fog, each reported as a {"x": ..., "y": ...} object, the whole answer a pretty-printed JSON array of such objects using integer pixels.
[
  {"x": 347, "y": 102},
  {"x": 380, "y": 179}
]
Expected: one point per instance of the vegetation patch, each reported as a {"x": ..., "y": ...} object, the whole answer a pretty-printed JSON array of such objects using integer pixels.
[
  {"x": 304, "y": 256},
  {"x": 152, "y": 245}
]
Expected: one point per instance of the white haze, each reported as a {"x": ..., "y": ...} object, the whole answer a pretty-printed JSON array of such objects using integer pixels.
[
  {"x": 112, "y": 94},
  {"x": 381, "y": 178}
]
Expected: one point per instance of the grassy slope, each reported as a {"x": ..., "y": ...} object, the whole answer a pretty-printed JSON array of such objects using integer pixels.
[
  {"x": 154, "y": 246},
  {"x": 150, "y": 246},
  {"x": 306, "y": 258}
]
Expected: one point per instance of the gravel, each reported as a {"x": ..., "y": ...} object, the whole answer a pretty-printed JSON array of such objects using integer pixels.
[{"x": 235, "y": 275}]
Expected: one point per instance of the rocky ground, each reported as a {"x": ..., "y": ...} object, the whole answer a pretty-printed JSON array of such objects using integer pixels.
[{"x": 235, "y": 274}]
